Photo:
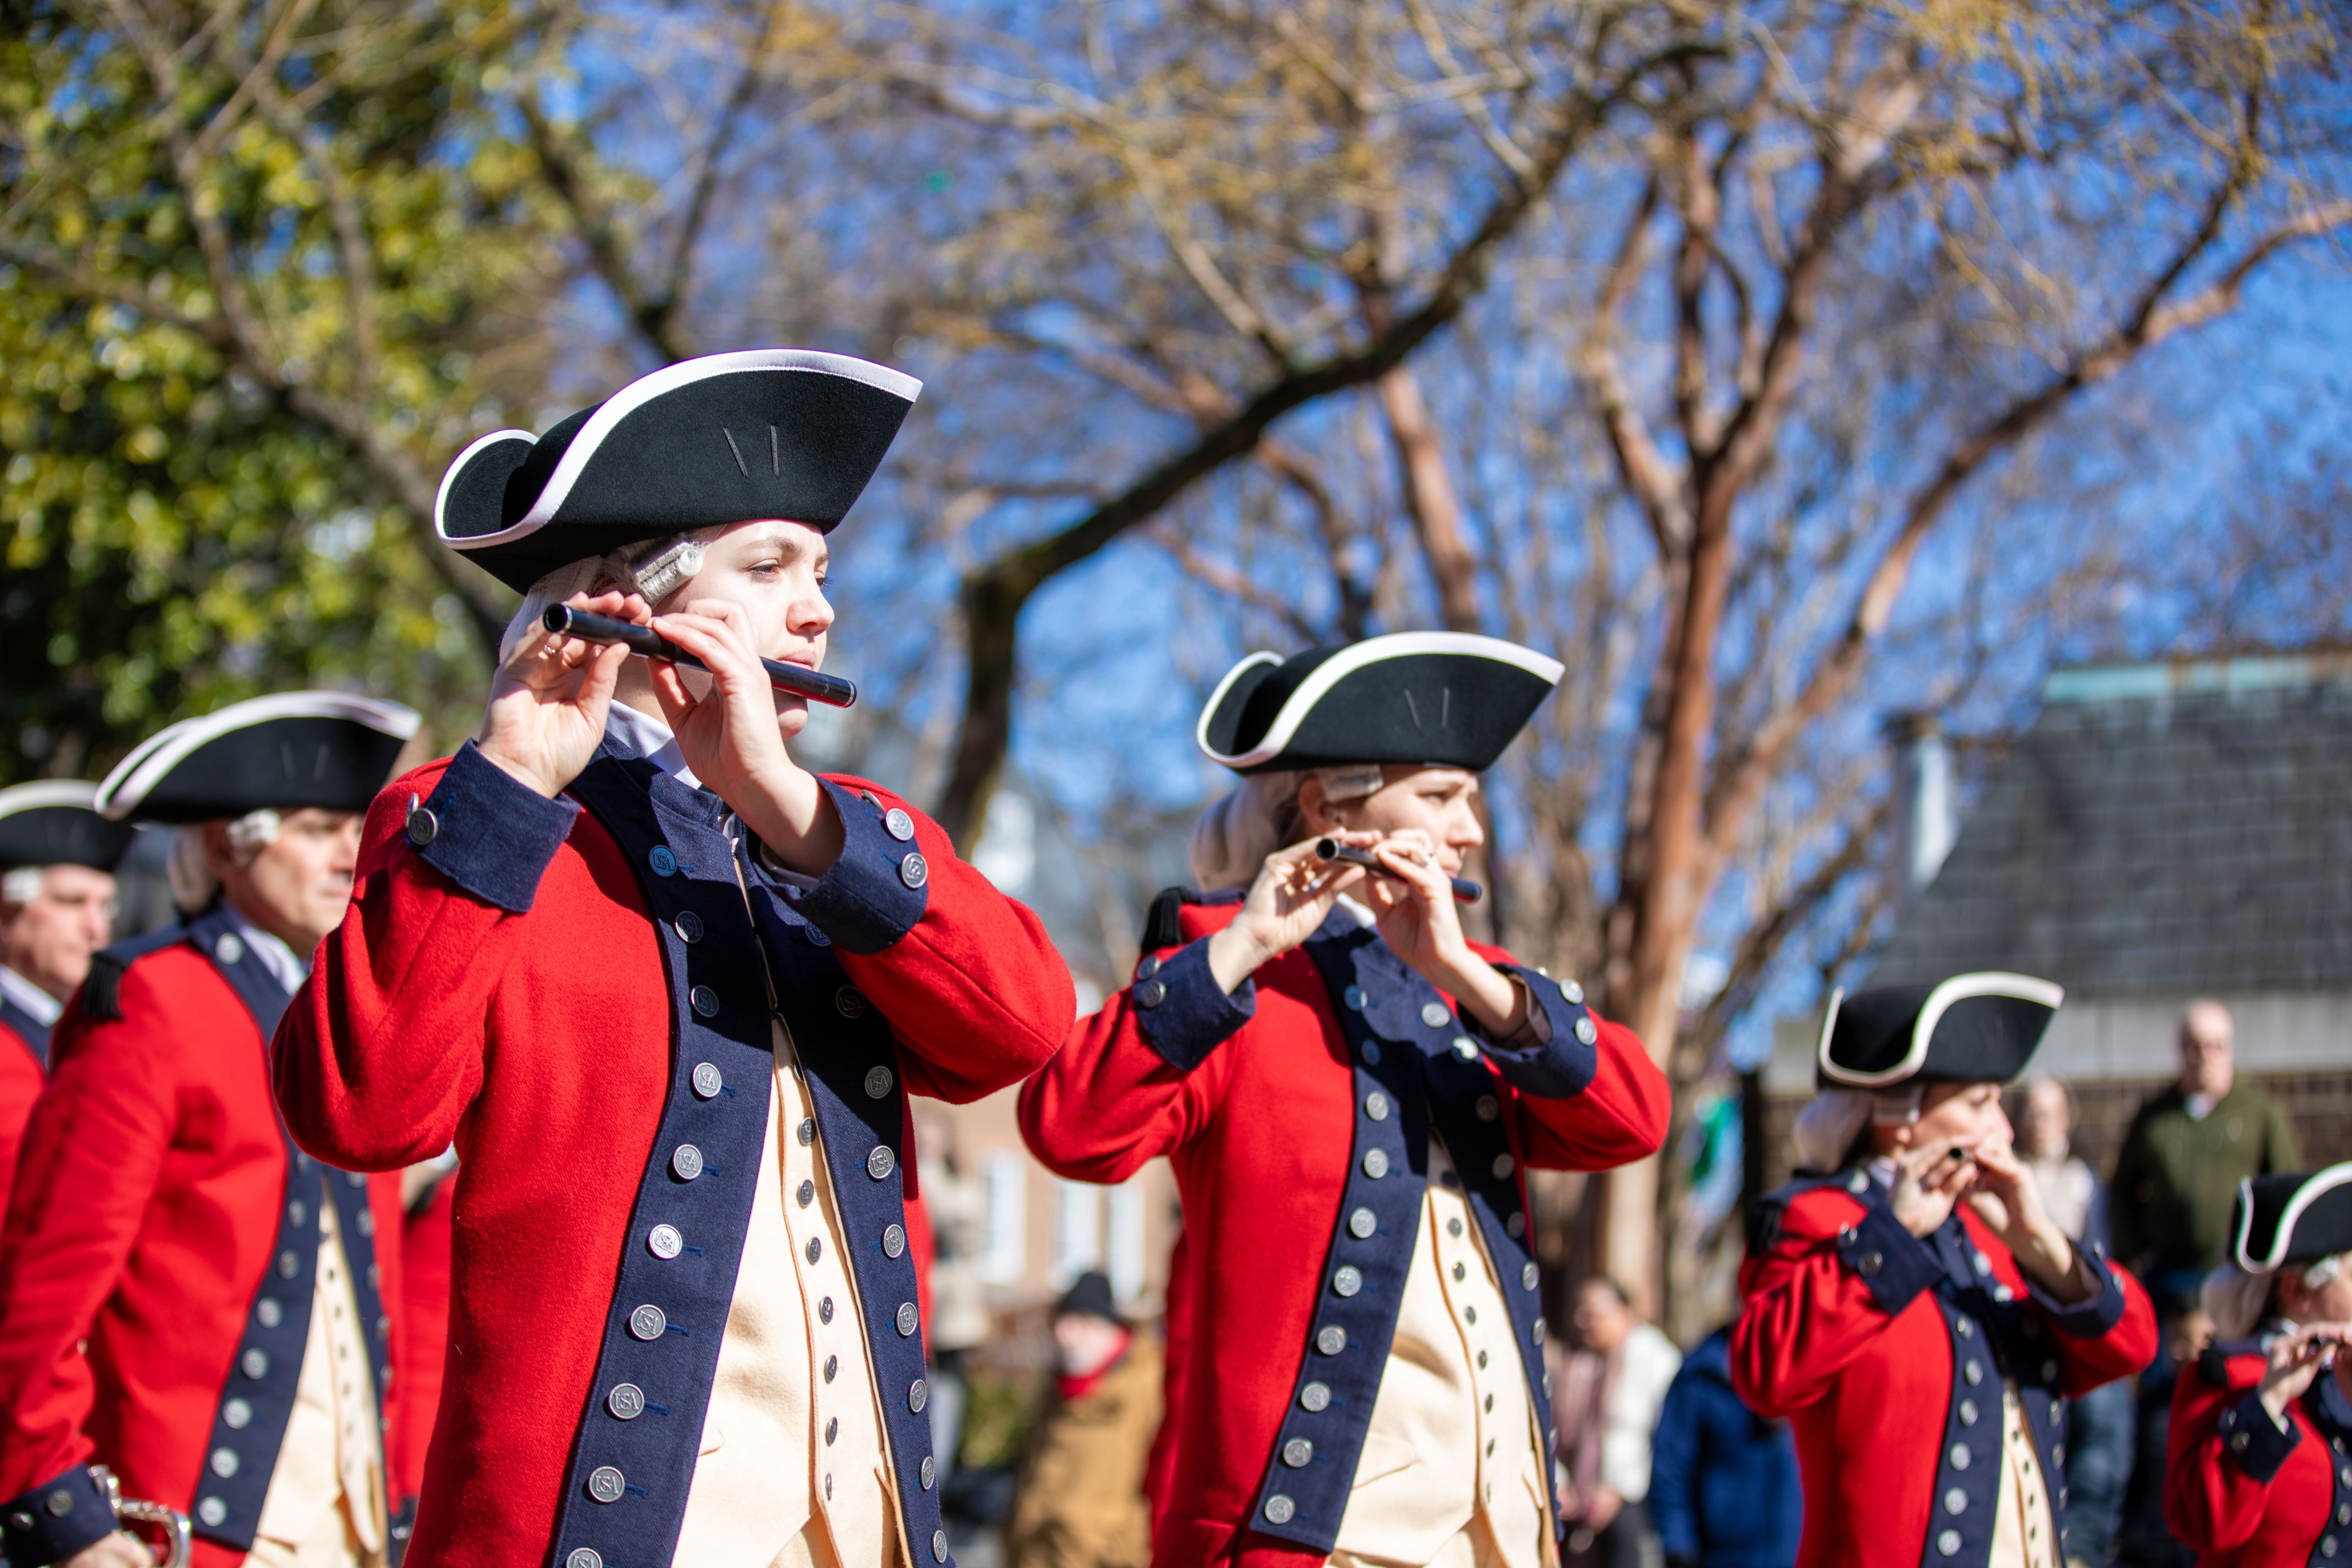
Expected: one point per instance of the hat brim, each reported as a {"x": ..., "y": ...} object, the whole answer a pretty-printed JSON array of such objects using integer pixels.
[
  {"x": 711, "y": 442},
  {"x": 55, "y": 822},
  {"x": 1981, "y": 1027},
  {"x": 288, "y": 752},
  {"x": 1431, "y": 698}
]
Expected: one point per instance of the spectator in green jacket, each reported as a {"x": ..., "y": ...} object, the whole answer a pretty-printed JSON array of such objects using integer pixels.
[{"x": 2181, "y": 1162}]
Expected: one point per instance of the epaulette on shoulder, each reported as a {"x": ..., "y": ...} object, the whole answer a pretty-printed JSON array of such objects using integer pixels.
[
  {"x": 1765, "y": 1215},
  {"x": 101, "y": 992},
  {"x": 1164, "y": 924}
]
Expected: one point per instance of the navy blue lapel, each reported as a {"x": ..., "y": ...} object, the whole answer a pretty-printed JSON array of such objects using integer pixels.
[
  {"x": 29, "y": 1029},
  {"x": 722, "y": 941},
  {"x": 248, "y": 1426},
  {"x": 1415, "y": 1070},
  {"x": 219, "y": 936}
]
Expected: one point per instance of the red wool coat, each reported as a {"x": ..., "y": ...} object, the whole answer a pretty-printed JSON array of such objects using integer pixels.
[
  {"x": 2239, "y": 1491},
  {"x": 1258, "y": 1102},
  {"x": 21, "y": 1078},
  {"x": 424, "y": 1327},
  {"x": 538, "y": 1035},
  {"x": 139, "y": 1239},
  {"x": 1884, "y": 1352}
]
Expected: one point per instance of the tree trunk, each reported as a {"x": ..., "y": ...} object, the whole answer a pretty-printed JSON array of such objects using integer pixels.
[{"x": 1430, "y": 499}]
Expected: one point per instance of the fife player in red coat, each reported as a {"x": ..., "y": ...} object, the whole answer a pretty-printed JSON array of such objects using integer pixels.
[
  {"x": 56, "y": 909},
  {"x": 1349, "y": 1092},
  {"x": 1910, "y": 1309},
  {"x": 2259, "y": 1469},
  {"x": 668, "y": 992},
  {"x": 187, "y": 1300}
]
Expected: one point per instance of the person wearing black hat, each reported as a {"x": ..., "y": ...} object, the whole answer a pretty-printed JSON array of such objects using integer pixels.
[
  {"x": 190, "y": 1306},
  {"x": 1078, "y": 1500},
  {"x": 56, "y": 908},
  {"x": 2257, "y": 1473},
  {"x": 1349, "y": 1090},
  {"x": 1910, "y": 1308},
  {"x": 668, "y": 992}
]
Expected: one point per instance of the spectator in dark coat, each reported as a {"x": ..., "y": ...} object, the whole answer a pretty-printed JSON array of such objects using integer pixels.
[{"x": 1724, "y": 1488}]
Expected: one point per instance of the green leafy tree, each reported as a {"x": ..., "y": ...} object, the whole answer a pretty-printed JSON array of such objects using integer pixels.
[{"x": 256, "y": 259}]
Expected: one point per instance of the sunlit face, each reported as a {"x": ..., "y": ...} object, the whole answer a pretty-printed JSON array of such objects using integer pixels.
[
  {"x": 1962, "y": 1113},
  {"x": 2047, "y": 1121},
  {"x": 2208, "y": 1051},
  {"x": 776, "y": 571},
  {"x": 298, "y": 885},
  {"x": 1601, "y": 1321},
  {"x": 50, "y": 940},
  {"x": 1437, "y": 801}
]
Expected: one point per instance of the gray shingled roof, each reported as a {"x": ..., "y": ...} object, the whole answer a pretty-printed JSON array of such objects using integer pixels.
[{"x": 2161, "y": 829}]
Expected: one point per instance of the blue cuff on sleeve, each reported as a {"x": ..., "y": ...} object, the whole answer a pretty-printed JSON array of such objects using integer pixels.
[
  {"x": 1182, "y": 1010},
  {"x": 1563, "y": 1067},
  {"x": 875, "y": 893},
  {"x": 489, "y": 833},
  {"x": 50, "y": 1523},
  {"x": 2083, "y": 1320},
  {"x": 1895, "y": 1264},
  {"x": 2253, "y": 1441}
]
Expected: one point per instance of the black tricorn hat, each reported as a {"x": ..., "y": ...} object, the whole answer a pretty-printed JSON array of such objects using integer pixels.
[
  {"x": 296, "y": 749},
  {"x": 2292, "y": 1216},
  {"x": 56, "y": 823},
  {"x": 1972, "y": 1028},
  {"x": 1089, "y": 1295},
  {"x": 1435, "y": 698},
  {"x": 733, "y": 437}
]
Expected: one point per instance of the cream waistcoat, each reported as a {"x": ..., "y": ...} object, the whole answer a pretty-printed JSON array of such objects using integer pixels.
[
  {"x": 1452, "y": 1470},
  {"x": 2024, "y": 1527},
  {"x": 792, "y": 1469},
  {"x": 325, "y": 1504}
]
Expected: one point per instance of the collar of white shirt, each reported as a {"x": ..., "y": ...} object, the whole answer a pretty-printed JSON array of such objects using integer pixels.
[
  {"x": 45, "y": 1008},
  {"x": 288, "y": 968},
  {"x": 653, "y": 739}
]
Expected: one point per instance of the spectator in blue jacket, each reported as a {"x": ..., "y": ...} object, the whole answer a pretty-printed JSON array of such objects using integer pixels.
[{"x": 1723, "y": 1491}]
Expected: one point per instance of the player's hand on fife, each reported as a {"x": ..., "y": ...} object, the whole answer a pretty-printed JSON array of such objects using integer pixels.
[
  {"x": 549, "y": 697},
  {"x": 730, "y": 738},
  {"x": 1422, "y": 925},
  {"x": 2297, "y": 1359},
  {"x": 1927, "y": 1182},
  {"x": 2006, "y": 1199},
  {"x": 1290, "y": 899}
]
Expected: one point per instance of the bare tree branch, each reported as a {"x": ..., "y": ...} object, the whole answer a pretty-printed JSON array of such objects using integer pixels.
[
  {"x": 994, "y": 594},
  {"x": 2149, "y": 322}
]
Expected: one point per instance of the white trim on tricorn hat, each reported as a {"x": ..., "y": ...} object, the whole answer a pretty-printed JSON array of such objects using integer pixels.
[
  {"x": 55, "y": 822},
  {"x": 2322, "y": 1182},
  {"x": 1959, "y": 988},
  {"x": 1345, "y": 662},
  {"x": 47, "y": 793},
  {"x": 135, "y": 777},
  {"x": 630, "y": 398},
  {"x": 834, "y": 449},
  {"x": 525, "y": 441}
]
